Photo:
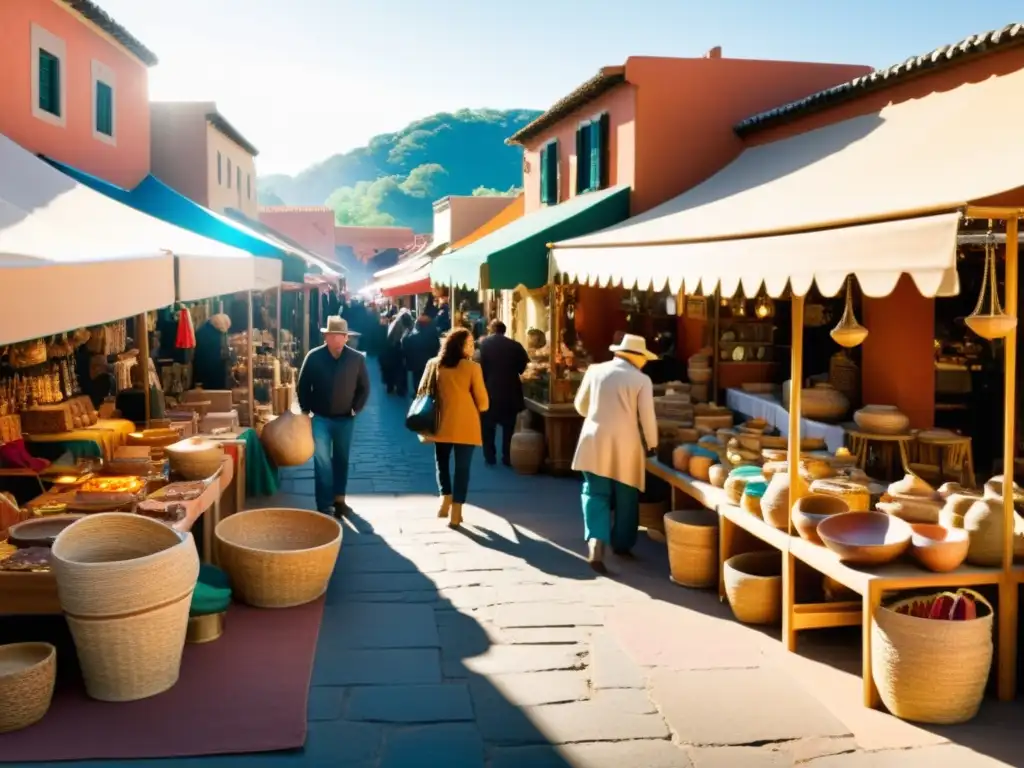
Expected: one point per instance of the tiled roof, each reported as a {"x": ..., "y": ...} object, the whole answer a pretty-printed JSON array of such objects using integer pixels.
[
  {"x": 101, "y": 19},
  {"x": 295, "y": 208},
  {"x": 218, "y": 121},
  {"x": 603, "y": 81},
  {"x": 942, "y": 57}
]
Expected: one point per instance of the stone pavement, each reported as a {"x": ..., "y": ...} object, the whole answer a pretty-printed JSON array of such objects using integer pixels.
[{"x": 497, "y": 646}]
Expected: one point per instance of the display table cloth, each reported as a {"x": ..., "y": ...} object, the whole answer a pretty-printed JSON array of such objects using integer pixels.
[
  {"x": 758, "y": 406},
  {"x": 98, "y": 441}
]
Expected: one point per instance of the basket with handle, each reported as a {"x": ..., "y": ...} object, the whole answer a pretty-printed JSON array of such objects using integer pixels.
[{"x": 931, "y": 670}]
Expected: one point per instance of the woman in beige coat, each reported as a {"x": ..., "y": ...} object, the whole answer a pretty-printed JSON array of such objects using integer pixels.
[
  {"x": 461, "y": 397},
  {"x": 616, "y": 401}
]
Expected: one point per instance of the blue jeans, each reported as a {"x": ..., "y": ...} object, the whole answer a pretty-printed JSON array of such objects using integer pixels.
[
  {"x": 332, "y": 438},
  {"x": 600, "y": 496},
  {"x": 463, "y": 459}
]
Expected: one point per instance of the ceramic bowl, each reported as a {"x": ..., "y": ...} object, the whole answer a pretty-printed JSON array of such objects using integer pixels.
[
  {"x": 882, "y": 420},
  {"x": 810, "y": 510},
  {"x": 865, "y": 538},
  {"x": 939, "y": 549}
]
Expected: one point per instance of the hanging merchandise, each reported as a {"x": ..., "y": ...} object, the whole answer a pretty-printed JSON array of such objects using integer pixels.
[
  {"x": 849, "y": 333},
  {"x": 186, "y": 337},
  {"x": 990, "y": 322}
]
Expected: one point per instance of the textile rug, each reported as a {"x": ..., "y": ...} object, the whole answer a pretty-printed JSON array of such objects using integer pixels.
[{"x": 244, "y": 692}]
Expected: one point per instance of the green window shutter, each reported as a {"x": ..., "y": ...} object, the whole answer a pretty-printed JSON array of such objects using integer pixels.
[
  {"x": 104, "y": 109},
  {"x": 49, "y": 82},
  {"x": 544, "y": 175},
  {"x": 603, "y": 178},
  {"x": 583, "y": 175},
  {"x": 553, "y": 172}
]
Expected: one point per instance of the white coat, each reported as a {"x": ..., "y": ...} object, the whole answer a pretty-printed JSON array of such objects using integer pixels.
[{"x": 616, "y": 401}]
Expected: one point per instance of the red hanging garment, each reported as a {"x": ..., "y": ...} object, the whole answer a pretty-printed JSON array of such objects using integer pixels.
[{"x": 186, "y": 338}]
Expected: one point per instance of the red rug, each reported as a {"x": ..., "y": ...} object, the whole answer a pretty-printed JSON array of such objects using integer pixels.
[{"x": 245, "y": 692}]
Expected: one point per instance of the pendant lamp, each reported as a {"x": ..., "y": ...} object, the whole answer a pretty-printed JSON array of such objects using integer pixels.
[
  {"x": 990, "y": 322},
  {"x": 849, "y": 333}
]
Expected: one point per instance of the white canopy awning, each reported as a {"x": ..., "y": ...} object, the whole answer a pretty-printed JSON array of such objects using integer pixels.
[
  {"x": 894, "y": 181},
  {"x": 72, "y": 257},
  {"x": 269, "y": 273},
  {"x": 411, "y": 271}
]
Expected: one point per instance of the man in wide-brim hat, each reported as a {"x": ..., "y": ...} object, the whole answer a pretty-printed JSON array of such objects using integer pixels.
[
  {"x": 616, "y": 401},
  {"x": 333, "y": 387}
]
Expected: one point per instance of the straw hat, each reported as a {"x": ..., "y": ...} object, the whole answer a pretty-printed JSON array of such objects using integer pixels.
[
  {"x": 337, "y": 324},
  {"x": 632, "y": 344}
]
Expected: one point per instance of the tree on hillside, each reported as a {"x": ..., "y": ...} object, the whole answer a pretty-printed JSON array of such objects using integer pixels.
[{"x": 492, "y": 192}]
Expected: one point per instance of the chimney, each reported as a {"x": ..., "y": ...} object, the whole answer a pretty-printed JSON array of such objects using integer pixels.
[{"x": 714, "y": 53}]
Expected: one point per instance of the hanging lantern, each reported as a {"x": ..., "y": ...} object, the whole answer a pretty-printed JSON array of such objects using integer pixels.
[
  {"x": 738, "y": 305},
  {"x": 990, "y": 322},
  {"x": 849, "y": 333},
  {"x": 764, "y": 307}
]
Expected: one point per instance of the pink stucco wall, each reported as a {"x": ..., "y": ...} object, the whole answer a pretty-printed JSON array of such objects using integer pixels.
[
  {"x": 312, "y": 227},
  {"x": 124, "y": 163},
  {"x": 365, "y": 242}
]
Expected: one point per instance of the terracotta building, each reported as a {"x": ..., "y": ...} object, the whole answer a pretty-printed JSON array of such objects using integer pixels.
[
  {"x": 75, "y": 87},
  {"x": 311, "y": 226},
  {"x": 367, "y": 242},
  {"x": 199, "y": 153}
]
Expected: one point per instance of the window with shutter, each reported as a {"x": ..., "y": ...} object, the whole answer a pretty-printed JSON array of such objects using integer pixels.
[
  {"x": 544, "y": 175},
  {"x": 583, "y": 150},
  {"x": 49, "y": 83},
  {"x": 552, "y": 172},
  {"x": 220, "y": 178},
  {"x": 601, "y": 177},
  {"x": 229, "y": 173},
  {"x": 104, "y": 109}
]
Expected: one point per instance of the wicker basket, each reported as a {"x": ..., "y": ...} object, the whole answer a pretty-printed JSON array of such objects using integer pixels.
[
  {"x": 195, "y": 458},
  {"x": 753, "y": 584},
  {"x": 288, "y": 439},
  {"x": 132, "y": 657},
  {"x": 692, "y": 536},
  {"x": 652, "y": 515},
  {"x": 278, "y": 558},
  {"x": 27, "y": 675},
  {"x": 115, "y": 564},
  {"x": 929, "y": 670},
  {"x": 856, "y": 496}
]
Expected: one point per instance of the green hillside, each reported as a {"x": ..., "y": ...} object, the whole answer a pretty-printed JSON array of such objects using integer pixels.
[{"x": 395, "y": 179}]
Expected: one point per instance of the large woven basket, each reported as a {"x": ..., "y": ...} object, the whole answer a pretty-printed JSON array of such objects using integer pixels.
[
  {"x": 753, "y": 584},
  {"x": 132, "y": 657},
  {"x": 278, "y": 558},
  {"x": 115, "y": 564},
  {"x": 692, "y": 547},
  {"x": 27, "y": 675},
  {"x": 930, "y": 670}
]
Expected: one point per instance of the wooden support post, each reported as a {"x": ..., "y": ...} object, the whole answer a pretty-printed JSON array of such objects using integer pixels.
[
  {"x": 1008, "y": 608},
  {"x": 142, "y": 343},
  {"x": 277, "y": 313},
  {"x": 251, "y": 366},
  {"x": 305, "y": 320},
  {"x": 796, "y": 375},
  {"x": 715, "y": 335}
]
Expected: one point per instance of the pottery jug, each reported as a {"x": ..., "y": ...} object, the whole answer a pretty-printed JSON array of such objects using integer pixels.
[
  {"x": 288, "y": 439},
  {"x": 822, "y": 402}
]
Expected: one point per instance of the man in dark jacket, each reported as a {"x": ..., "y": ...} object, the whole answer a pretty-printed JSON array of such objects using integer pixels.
[
  {"x": 420, "y": 347},
  {"x": 503, "y": 361},
  {"x": 333, "y": 387}
]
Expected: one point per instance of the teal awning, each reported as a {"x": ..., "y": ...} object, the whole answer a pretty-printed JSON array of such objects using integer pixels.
[
  {"x": 517, "y": 254},
  {"x": 157, "y": 199}
]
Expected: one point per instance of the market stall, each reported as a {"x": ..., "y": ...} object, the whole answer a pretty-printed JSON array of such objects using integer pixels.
[{"x": 761, "y": 225}]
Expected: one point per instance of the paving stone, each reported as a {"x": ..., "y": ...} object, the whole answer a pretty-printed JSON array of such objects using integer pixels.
[
  {"x": 534, "y": 688},
  {"x": 735, "y": 757},
  {"x": 646, "y": 753},
  {"x": 545, "y": 615},
  {"x": 480, "y": 560},
  {"x": 342, "y": 745},
  {"x": 940, "y": 756},
  {"x": 326, "y": 702},
  {"x": 609, "y": 716},
  {"x": 503, "y": 659},
  {"x": 410, "y": 704},
  {"x": 380, "y": 625},
  {"x": 547, "y": 635},
  {"x": 469, "y": 597},
  {"x": 376, "y": 667},
  {"x": 537, "y": 593},
  {"x": 739, "y": 706},
  {"x": 353, "y": 538},
  {"x": 358, "y": 583},
  {"x": 385, "y": 559},
  {"x": 611, "y": 667},
  {"x": 450, "y": 745}
]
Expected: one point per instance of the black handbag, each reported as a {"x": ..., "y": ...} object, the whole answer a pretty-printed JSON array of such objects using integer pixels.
[{"x": 424, "y": 414}]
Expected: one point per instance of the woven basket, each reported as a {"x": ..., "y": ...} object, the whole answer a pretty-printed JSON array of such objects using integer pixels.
[
  {"x": 856, "y": 496},
  {"x": 753, "y": 584},
  {"x": 27, "y": 675},
  {"x": 692, "y": 536},
  {"x": 195, "y": 458},
  {"x": 929, "y": 670},
  {"x": 652, "y": 515},
  {"x": 132, "y": 657},
  {"x": 115, "y": 564},
  {"x": 278, "y": 558},
  {"x": 288, "y": 439}
]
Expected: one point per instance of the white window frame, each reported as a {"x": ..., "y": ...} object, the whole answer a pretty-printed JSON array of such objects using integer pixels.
[
  {"x": 101, "y": 73},
  {"x": 46, "y": 40}
]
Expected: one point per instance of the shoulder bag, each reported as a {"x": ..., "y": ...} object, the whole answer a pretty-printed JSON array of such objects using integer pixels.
[{"x": 425, "y": 413}]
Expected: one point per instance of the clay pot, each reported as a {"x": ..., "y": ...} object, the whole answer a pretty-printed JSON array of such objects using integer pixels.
[
  {"x": 700, "y": 466},
  {"x": 816, "y": 469},
  {"x": 865, "y": 538},
  {"x": 810, "y": 510},
  {"x": 983, "y": 521},
  {"x": 288, "y": 439},
  {"x": 681, "y": 458},
  {"x": 195, "y": 458},
  {"x": 939, "y": 549},
  {"x": 717, "y": 475},
  {"x": 952, "y": 513},
  {"x": 913, "y": 509},
  {"x": 775, "y": 504},
  {"x": 526, "y": 453},
  {"x": 882, "y": 420},
  {"x": 911, "y": 485},
  {"x": 823, "y": 403}
]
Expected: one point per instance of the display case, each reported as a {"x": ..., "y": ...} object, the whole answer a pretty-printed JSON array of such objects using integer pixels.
[{"x": 556, "y": 368}]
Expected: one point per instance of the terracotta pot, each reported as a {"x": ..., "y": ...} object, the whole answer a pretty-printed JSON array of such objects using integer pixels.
[
  {"x": 288, "y": 439},
  {"x": 718, "y": 474},
  {"x": 865, "y": 538},
  {"x": 775, "y": 502},
  {"x": 527, "y": 452},
  {"x": 823, "y": 403},
  {"x": 810, "y": 510},
  {"x": 882, "y": 420},
  {"x": 939, "y": 549}
]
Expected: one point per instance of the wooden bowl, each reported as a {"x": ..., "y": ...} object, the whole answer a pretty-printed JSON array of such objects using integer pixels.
[
  {"x": 810, "y": 510},
  {"x": 40, "y": 531},
  {"x": 865, "y": 538},
  {"x": 939, "y": 549}
]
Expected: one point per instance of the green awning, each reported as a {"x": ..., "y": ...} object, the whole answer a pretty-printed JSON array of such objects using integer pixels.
[{"x": 517, "y": 254}]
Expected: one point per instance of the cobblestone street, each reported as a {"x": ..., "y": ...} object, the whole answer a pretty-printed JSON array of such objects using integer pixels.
[{"x": 497, "y": 646}]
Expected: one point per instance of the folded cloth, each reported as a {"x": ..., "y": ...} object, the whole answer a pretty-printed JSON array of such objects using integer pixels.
[
  {"x": 14, "y": 455},
  {"x": 261, "y": 478}
]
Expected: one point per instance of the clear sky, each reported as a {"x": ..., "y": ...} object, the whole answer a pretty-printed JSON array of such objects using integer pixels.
[{"x": 304, "y": 79}]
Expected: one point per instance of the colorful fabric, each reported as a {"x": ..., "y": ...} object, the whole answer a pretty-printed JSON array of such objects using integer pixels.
[{"x": 261, "y": 478}]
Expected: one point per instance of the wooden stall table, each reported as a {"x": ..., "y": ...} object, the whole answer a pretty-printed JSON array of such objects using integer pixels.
[
  {"x": 943, "y": 455},
  {"x": 680, "y": 482},
  {"x": 562, "y": 427},
  {"x": 234, "y": 496},
  {"x": 861, "y": 444}
]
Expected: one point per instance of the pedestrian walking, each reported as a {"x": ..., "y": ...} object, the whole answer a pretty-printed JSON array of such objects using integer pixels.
[
  {"x": 459, "y": 386},
  {"x": 392, "y": 358},
  {"x": 333, "y": 387},
  {"x": 503, "y": 361},
  {"x": 420, "y": 347},
  {"x": 616, "y": 401}
]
